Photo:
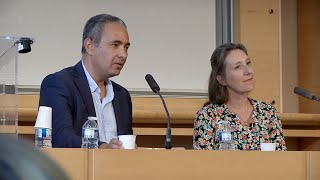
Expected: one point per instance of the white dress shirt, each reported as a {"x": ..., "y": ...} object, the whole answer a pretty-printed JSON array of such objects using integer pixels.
[{"x": 104, "y": 110}]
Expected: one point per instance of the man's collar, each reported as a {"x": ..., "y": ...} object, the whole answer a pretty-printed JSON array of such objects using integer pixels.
[
  {"x": 92, "y": 84},
  {"x": 94, "y": 87}
]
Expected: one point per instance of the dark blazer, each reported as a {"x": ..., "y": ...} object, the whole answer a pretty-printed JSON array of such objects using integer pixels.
[{"x": 68, "y": 93}]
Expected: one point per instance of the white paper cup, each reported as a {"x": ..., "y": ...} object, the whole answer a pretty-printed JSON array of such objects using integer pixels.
[
  {"x": 268, "y": 146},
  {"x": 128, "y": 141},
  {"x": 44, "y": 118}
]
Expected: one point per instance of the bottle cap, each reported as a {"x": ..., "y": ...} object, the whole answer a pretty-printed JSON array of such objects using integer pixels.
[{"x": 92, "y": 118}]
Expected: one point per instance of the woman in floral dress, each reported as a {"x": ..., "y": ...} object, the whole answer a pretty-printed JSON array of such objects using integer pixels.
[{"x": 252, "y": 122}]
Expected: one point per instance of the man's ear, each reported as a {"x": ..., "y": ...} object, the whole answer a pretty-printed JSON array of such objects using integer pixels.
[
  {"x": 88, "y": 45},
  {"x": 221, "y": 80}
]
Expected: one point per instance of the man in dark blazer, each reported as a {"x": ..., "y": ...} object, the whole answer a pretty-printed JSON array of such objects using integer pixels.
[{"x": 70, "y": 94}]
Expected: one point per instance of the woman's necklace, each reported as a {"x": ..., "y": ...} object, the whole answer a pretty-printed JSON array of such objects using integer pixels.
[{"x": 245, "y": 121}]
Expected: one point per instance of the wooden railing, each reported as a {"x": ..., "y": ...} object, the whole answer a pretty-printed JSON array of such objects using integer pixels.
[{"x": 149, "y": 119}]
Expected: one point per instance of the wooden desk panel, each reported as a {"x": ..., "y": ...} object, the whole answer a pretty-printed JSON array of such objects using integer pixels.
[
  {"x": 313, "y": 166},
  {"x": 74, "y": 161},
  {"x": 192, "y": 164},
  {"x": 143, "y": 164}
]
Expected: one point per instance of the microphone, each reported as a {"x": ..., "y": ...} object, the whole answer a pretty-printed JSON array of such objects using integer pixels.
[
  {"x": 305, "y": 94},
  {"x": 152, "y": 83},
  {"x": 156, "y": 89}
]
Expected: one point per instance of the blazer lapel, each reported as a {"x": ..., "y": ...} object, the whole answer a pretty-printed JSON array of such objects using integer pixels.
[
  {"x": 116, "y": 108},
  {"x": 84, "y": 89}
]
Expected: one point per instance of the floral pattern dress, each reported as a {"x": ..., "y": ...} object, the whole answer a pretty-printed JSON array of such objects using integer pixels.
[{"x": 265, "y": 127}]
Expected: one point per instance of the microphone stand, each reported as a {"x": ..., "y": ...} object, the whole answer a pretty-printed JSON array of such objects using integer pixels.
[{"x": 168, "y": 133}]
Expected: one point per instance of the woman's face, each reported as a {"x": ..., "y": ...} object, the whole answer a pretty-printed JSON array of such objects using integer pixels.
[{"x": 239, "y": 76}]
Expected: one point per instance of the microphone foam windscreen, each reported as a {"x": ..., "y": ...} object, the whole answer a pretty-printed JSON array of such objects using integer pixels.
[{"x": 152, "y": 83}]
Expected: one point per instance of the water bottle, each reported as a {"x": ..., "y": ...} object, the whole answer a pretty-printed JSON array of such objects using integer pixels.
[
  {"x": 43, "y": 127},
  {"x": 225, "y": 136},
  {"x": 90, "y": 133},
  {"x": 43, "y": 137}
]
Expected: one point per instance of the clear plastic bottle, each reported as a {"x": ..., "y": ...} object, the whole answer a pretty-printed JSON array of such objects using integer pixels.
[
  {"x": 226, "y": 141},
  {"x": 43, "y": 137},
  {"x": 90, "y": 133}
]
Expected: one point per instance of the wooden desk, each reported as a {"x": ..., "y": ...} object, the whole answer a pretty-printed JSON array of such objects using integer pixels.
[
  {"x": 190, "y": 164},
  {"x": 187, "y": 164},
  {"x": 302, "y": 131},
  {"x": 313, "y": 165},
  {"x": 73, "y": 161}
]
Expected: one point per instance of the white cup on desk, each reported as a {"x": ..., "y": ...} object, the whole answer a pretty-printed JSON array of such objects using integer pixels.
[
  {"x": 268, "y": 146},
  {"x": 128, "y": 141},
  {"x": 44, "y": 118}
]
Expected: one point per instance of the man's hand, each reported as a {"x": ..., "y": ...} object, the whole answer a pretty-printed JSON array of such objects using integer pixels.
[{"x": 113, "y": 144}]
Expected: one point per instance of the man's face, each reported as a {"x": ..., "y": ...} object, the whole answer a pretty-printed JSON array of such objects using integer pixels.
[{"x": 110, "y": 55}]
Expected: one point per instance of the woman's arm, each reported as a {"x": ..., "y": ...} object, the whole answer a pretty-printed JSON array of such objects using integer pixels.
[
  {"x": 203, "y": 133},
  {"x": 276, "y": 132}
]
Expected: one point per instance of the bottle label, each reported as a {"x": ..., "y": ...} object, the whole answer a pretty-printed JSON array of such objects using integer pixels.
[
  {"x": 90, "y": 133},
  {"x": 225, "y": 136},
  {"x": 43, "y": 133}
]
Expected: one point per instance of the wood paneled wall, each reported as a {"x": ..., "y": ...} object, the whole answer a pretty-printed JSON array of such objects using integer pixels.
[
  {"x": 289, "y": 56},
  {"x": 262, "y": 42},
  {"x": 264, "y": 28},
  {"x": 309, "y": 48}
]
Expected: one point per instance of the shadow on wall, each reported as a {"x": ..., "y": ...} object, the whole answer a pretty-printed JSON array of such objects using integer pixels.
[{"x": 20, "y": 160}]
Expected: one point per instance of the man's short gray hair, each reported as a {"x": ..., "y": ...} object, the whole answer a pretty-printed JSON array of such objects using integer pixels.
[{"x": 94, "y": 28}]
